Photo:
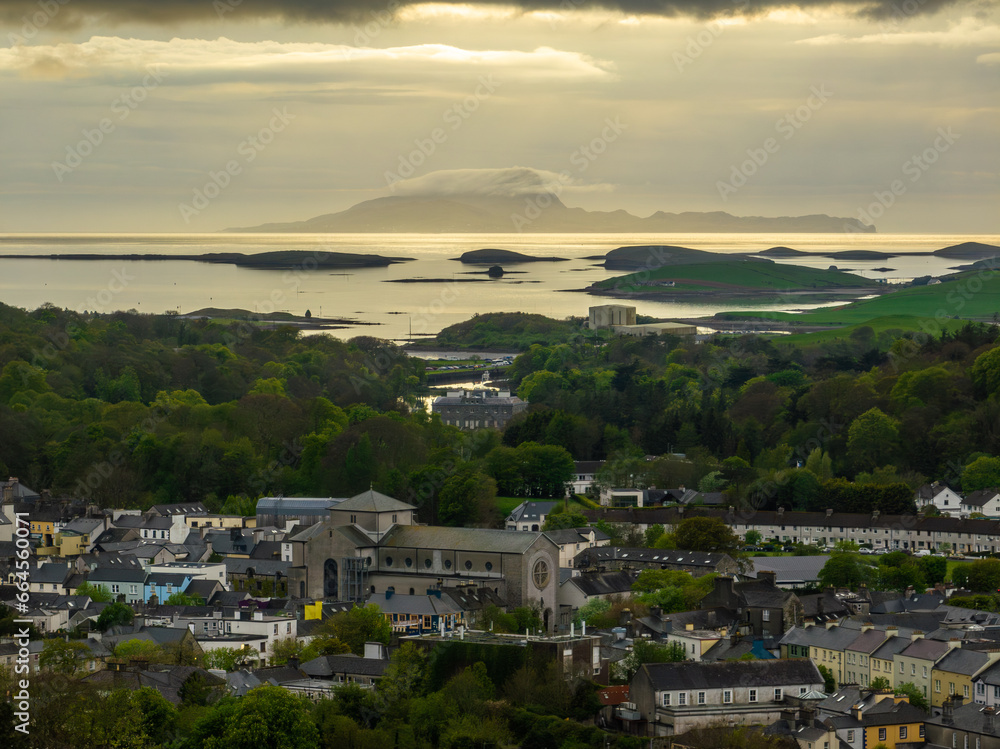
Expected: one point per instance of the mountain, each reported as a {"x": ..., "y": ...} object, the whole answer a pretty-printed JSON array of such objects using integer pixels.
[{"x": 541, "y": 212}]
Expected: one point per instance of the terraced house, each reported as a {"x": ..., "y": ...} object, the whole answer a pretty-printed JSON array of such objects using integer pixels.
[
  {"x": 954, "y": 674},
  {"x": 915, "y": 663}
]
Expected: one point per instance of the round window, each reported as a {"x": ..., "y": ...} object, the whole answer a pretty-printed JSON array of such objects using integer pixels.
[
  {"x": 468, "y": 564},
  {"x": 489, "y": 566},
  {"x": 408, "y": 562},
  {"x": 447, "y": 564},
  {"x": 540, "y": 574},
  {"x": 427, "y": 562},
  {"x": 388, "y": 561}
]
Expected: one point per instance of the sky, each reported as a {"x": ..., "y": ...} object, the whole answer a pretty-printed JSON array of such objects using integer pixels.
[{"x": 198, "y": 115}]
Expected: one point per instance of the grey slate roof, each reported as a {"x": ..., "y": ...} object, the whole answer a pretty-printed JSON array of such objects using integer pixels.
[
  {"x": 962, "y": 661},
  {"x": 834, "y": 638},
  {"x": 460, "y": 539},
  {"x": 788, "y": 570},
  {"x": 327, "y": 666},
  {"x": 979, "y": 498},
  {"x": 692, "y": 675},
  {"x": 238, "y": 566},
  {"x": 603, "y": 583},
  {"x": 867, "y": 642},
  {"x": 891, "y": 647},
  {"x": 429, "y": 605},
  {"x": 528, "y": 512},
  {"x": 925, "y": 649},
  {"x": 673, "y": 558},
  {"x": 180, "y": 508},
  {"x": 373, "y": 501},
  {"x": 296, "y": 505}
]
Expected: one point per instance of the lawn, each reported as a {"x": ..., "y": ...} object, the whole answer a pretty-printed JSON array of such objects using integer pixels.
[{"x": 745, "y": 274}]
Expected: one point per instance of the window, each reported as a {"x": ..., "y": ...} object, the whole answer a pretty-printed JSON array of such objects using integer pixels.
[
  {"x": 951, "y": 687},
  {"x": 778, "y": 696},
  {"x": 288, "y": 628},
  {"x": 902, "y": 732},
  {"x": 753, "y": 695},
  {"x": 913, "y": 669},
  {"x": 468, "y": 564},
  {"x": 765, "y": 615},
  {"x": 937, "y": 685},
  {"x": 881, "y": 734},
  {"x": 901, "y": 667},
  {"x": 275, "y": 629},
  {"x": 965, "y": 690},
  {"x": 388, "y": 561},
  {"x": 850, "y": 736},
  {"x": 115, "y": 588},
  {"x": 682, "y": 699},
  {"x": 701, "y": 698},
  {"x": 925, "y": 672},
  {"x": 666, "y": 699},
  {"x": 980, "y": 688},
  {"x": 921, "y": 731},
  {"x": 727, "y": 696}
]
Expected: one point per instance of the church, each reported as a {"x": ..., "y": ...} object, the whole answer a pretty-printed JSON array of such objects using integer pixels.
[{"x": 371, "y": 544}]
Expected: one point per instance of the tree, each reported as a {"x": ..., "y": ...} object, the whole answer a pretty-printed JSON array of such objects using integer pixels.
[
  {"x": 114, "y": 614},
  {"x": 982, "y": 473},
  {"x": 62, "y": 656},
  {"x": 983, "y": 575},
  {"x": 879, "y": 683},
  {"x": 183, "y": 599},
  {"x": 466, "y": 498},
  {"x": 141, "y": 649},
  {"x": 359, "y": 625},
  {"x": 158, "y": 715},
  {"x": 829, "y": 681},
  {"x": 97, "y": 593},
  {"x": 935, "y": 569},
  {"x": 706, "y": 534},
  {"x": 846, "y": 571},
  {"x": 753, "y": 537},
  {"x": 229, "y": 659},
  {"x": 564, "y": 519},
  {"x": 914, "y": 693},
  {"x": 267, "y": 716},
  {"x": 283, "y": 649},
  {"x": 872, "y": 439},
  {"x": 644, "y": 651}
]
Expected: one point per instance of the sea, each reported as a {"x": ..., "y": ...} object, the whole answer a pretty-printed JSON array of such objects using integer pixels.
[{"x": 371, "y": 304}]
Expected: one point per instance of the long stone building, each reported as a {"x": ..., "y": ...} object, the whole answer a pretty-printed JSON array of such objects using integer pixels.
[{"x": 913, "y": 532}]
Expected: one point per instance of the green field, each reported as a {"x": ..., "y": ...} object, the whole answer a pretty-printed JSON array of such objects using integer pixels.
[
  {"x": 739, "y": 274},
  {"x": 968, "y": 296}
]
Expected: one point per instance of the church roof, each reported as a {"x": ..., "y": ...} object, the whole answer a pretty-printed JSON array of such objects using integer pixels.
[{"x": 373, "y": 501}]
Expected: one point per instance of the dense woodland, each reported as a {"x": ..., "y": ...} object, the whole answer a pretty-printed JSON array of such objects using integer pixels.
[{"x": 127, "y": 410}]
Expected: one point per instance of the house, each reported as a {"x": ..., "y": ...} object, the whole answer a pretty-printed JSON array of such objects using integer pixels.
[
  {"x": 962, "y": 726},
  {"x": 672, "y": 698},
  {"x": 197, "y": 570},
  {"x": 891, "y": 721},
  {"x": 163, "y": 585},
  {"x": 238, "y": 628},
  {"x": 571, "y": 541},
  {"x": 985, "y": 501},
  {"x": 955, "y": 672},
  {"x": 577, "y": 591},
  {"x": 883, "y": 659},
  {"x": 337, "y": 670},
  {"x": 79, "y": 535},
  {"x": 761, "y": 608},
  {"x": 823, "y": 646},
  {"x": 478, "y": 409},
  {"x": 584, "y": 475},
  {"x": 50, "y": 577},
  {"x": 696, "y": 642},
  {"x": 417, "y": 615},
  {"x": 529, "y": 516},
  {"x": 125, "y": 581},
  {"x": 168, "y": 680},
  {"x": 857, "y": 655},
  {"x": 938, "y": 495},
  {"x": 915, "y": 663}
]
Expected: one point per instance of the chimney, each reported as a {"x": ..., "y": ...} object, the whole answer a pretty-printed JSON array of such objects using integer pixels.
[
  {"x": 947, "y": 712},
  {"x": 954, "y": 642},
  {"x": 856, "y": 711},
  {"x": 294, "y": 661},
  {"x": 989, "y": 718},
  {"x": 806, "y": 716},
  {"x": 668, "y": 626},
  {"x": 781, "y": 513},
  {"x": 625, "y": 618},
  {"x": 867, "y": 626},
  {"x": 655, "y": 611},
  {"x": 829, "y": 513},
  {"x": 908, "y": 593},
  {"x": 767, "y": 576},
  {"x": 917, "y": 635}
]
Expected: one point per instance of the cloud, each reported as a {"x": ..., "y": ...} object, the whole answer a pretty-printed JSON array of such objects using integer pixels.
[
  {"x": 969, "y": 32},
  {"x": 111, "y": 56},
  {"x": 167, "y": 12},
  {"x": 510, "y": 182}
]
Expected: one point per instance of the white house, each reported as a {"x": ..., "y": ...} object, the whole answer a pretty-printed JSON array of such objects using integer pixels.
[
  {"x": 673, "y": 698},
  {"x": 984, "y": 501},
  {"x": 940, "y": 496}
]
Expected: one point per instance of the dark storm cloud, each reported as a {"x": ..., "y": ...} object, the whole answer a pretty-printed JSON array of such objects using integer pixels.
[{"x": 69, "y": 13}]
